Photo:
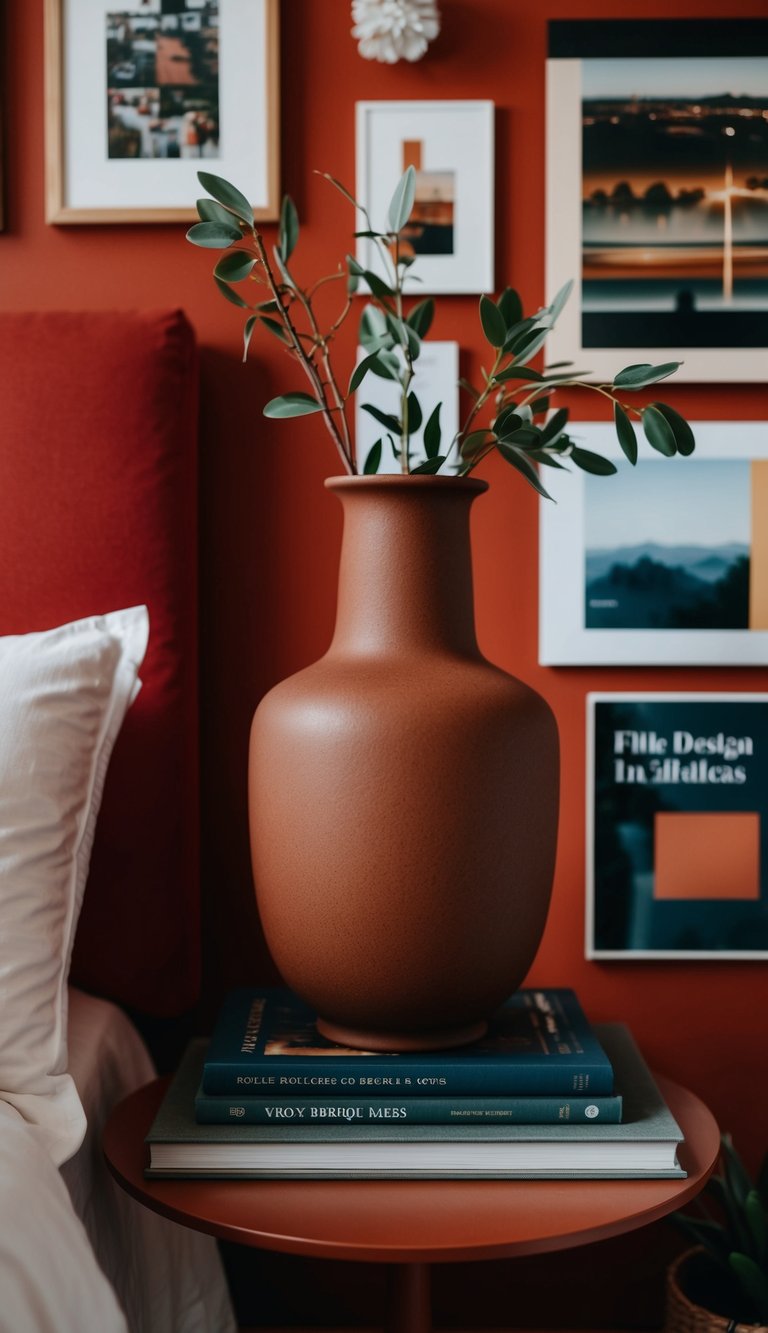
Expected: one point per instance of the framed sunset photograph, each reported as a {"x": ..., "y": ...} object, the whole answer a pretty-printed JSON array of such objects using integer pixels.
[
  {"x": 663, "y": 563},
  {"x": 450, "y": 145},
  {"x": 657, "y": 148}
]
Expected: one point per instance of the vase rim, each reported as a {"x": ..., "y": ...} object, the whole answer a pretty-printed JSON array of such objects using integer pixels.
[{"x": 396, "y": 480}]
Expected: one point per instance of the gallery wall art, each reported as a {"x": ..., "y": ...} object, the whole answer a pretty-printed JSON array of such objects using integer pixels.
[
  {"x": 677, "y": 826},
  {"x": 143, "y": 94},
  {"x": 665, "y": 562},
  {"x": 451, "y": 147},
  {"x": 657, "y": 194}
]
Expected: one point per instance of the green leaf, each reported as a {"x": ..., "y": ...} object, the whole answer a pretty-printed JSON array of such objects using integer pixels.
[
  {"x": 404, "y": 335},
  {"x": 433, "y": 433},
  {"x": 229, "y": 295},
  {"x": 371, "y": 464},
  {"x": 415, "y": 417},
  {"x": 562, "y": 296},
  {"x": 360, "y": 372},
  {"x": 709, "y": 1234},
  {"x": 235, "y": 266},
  {"x": 522, "y": 465},
  {"x": 736, "y": 1176},
  {"x": 275, "y": 328},
  {"x": 508, "y": 421},
  {"x": 402, "y": 200},
  {"x": 516, "y": 332},
  {"x": 210, "y": 211},
  {"x": 625, "y": 432},
  {"x": 658, "y": 431},
  {"x": 228, "y": 195},
  {"x": 354, "y": 273},
  {"x": 371, "y": 235},
  {"x": 420, "y": 318},
  {"x": 213, "y": 235},
  {"x": 492, "y": 321},
  {"x": 593, "y": 463},
  {"x": 541, "y": 456},
  {"x": 337, "y": 185},
  {"x": 250, "y": 325},
  {"x": 684, "y": 437},
  {"x": 289, "y": 228},
  {"x": 372, "y": 332},
  {"x": 292, "y": 405},
  {"x": 555, "y": 426},
  {"x": 758, "y": 1224},
  {"x": 540, "y": 405},
  {"x": 384, "y": 419},
  {"x": 379, "y": 287},
  {"x": 284, "y": 274},
  {"x": 431, "y": 465},
  {"x": 642, "y": 374},
  {"x": 386, "y": 365},
  {"x": 474, "y": 443},
  {"x": 518, "y": 373},
  {"x": 752, "y": 1281},
  {"x": 530, "y": 347},
  {"x": 269, "y": 307},
  {"x": 510, "y": 307}
]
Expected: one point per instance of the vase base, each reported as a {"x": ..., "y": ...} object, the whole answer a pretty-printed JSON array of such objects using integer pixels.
[{"x": 435, "y": 1039}]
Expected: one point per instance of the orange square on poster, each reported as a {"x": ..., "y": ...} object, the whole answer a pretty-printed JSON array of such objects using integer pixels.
[{"x": 715, "y": 856}]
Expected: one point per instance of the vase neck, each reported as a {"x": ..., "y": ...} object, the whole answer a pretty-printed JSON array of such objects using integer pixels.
[{"x": 405, "y": 579}]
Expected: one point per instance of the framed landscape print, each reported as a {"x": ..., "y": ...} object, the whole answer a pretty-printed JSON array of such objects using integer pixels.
[
  {"x": 143, "y": 94},
  {"x": 677, "y": 826},
  {"x": 657, "y": 194},
  {"x": 665, "y": 562},
  {"x": 450, "y": 145}
]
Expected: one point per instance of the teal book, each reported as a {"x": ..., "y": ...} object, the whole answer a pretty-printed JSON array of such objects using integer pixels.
[
  {"x": 644, "y": 1145},
  {"x": 410, "y": 1110},
  {"x": 538, "y": 1043}
]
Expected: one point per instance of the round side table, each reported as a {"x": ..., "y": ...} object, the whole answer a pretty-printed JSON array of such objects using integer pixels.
[{"x": 410, "y": 1224}]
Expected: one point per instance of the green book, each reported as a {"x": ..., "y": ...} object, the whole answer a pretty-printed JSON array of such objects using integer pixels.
[{"x": 644, "y": 1145}]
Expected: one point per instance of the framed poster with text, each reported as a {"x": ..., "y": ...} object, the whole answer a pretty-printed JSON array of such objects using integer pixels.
[{"x": 677, "y": 826}]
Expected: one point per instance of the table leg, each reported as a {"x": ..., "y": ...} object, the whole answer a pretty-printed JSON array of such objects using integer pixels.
[{"x": 409, "y": 1299}]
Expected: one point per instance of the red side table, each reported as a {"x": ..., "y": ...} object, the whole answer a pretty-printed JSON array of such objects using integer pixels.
[{"x": 410, "y": 1224}]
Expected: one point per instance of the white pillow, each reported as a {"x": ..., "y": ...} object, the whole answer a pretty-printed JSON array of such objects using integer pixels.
[{"x": 63, "y": 696}]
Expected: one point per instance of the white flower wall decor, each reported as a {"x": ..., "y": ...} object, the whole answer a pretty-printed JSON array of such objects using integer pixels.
[{"x": 391, "y": 30}]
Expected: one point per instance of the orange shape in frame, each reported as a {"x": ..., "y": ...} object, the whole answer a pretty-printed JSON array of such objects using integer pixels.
[{"x": 714, "y": 856}]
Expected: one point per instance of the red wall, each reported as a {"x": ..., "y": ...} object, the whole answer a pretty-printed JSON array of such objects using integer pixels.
[{"x": 270, "y": 532}]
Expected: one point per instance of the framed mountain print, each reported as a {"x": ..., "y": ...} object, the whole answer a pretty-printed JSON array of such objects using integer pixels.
[
  {"x": 143, "y": 94},
  {"x": 657, "y": 194},
  {"x": 677, "y": 826},
  {"x": 663, "y": 563},
  {"x": 451, "y": 147}
]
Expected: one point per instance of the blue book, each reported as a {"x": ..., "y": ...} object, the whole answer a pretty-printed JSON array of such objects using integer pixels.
[{"x": 538, "y": 1043}]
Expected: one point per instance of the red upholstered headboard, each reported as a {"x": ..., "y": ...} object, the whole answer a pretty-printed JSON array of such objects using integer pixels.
[{"x": 98, "y": 416}]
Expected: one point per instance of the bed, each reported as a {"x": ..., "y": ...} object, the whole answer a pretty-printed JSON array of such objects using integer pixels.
[{"x": 99, "y": 888}]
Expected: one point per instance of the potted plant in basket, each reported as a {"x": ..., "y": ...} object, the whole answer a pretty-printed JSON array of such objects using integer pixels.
[
  {"x": 404, "y": 791},
  {"x": 721, "y": 1285}
]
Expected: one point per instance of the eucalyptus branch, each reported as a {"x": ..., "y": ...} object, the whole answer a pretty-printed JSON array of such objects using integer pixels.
[{"x": 516, "y": 395}]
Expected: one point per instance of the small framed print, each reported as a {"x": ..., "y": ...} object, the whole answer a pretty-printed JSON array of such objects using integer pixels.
[
  {"x": 436, "y": 382},
  {"x": 451, "y": 147},
  {"x": 657, "y": 194},
  {"x": 663, "y": 563},
  {"x": 677, "y": 826},
  {"x": 143, "y": 94}
]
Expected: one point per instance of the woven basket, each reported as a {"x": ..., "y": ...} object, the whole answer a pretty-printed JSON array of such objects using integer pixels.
[{"x": 683, "y": 1316}]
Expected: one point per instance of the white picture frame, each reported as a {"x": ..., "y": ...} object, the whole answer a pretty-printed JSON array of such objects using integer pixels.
[
  {"x": 661, "y": 511},
  {"x": 671, "y": 304},
  {"x": 437, "y": 381},
  {"x": 452, "y": 146},
  {"x": 688, "y": 890},
  {"x": 117, "y": 151}
]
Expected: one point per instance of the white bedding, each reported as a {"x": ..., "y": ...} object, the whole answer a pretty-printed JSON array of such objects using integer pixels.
[{"x": 162, "y": 1278}]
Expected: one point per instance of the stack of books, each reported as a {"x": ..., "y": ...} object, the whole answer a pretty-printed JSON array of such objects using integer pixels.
[{"x": 543, "y": 1094}]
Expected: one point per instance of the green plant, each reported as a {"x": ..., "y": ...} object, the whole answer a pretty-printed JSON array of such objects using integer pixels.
[
  {"x": 511, "y": 410},
  {"x": 736, "y": 1239}
]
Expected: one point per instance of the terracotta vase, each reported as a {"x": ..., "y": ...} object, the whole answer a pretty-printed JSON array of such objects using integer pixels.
[{"x": 403, "y": 791}]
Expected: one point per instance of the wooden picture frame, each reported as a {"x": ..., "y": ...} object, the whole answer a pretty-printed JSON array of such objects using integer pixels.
[
  {"x": 134, "y": 155},
  {"x": 657, "y": 201}
]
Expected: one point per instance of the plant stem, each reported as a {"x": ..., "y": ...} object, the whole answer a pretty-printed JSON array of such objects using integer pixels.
[{"x": 340, "y": 438}]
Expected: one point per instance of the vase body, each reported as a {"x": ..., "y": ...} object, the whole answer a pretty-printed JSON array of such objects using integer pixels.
[{"x": 403, "y": 792}]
